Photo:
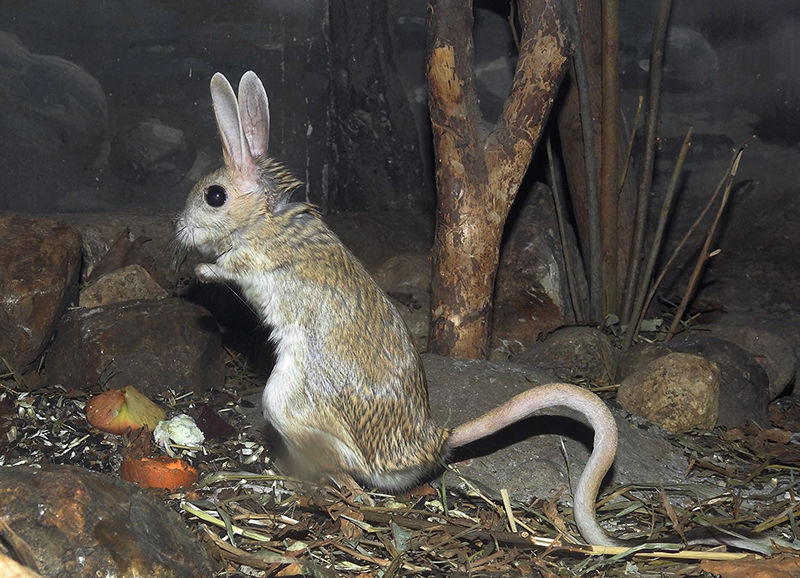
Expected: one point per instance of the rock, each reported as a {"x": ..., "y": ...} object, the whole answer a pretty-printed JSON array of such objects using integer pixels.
[
  {"x": 152, "y": 153},
  {"x": 690, "y": 56},
  {"x": 769, "y": 349},
  {"x": 80, "y": 524},
  {"x": 114, "y": 240},
  {"x": 572, "y": 354},
  {"x": 126, "y": 284},
  {"x": 39, "y": 264},
  {"x": 407, "y": 280},
  {"x": 744, "y": 385},
  {"x": 534, "y": 465},
  {"x": 677, "y": 392},
  {"x": 373, "y": 238},
  {"x": 531, "y": 292},
  {"x": 54, "y": 126},
  {"x": 126, "y": 250},
  {"x": 152, "y": 345}
]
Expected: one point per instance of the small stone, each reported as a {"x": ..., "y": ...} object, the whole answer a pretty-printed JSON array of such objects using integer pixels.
[
  {"x": 126, "y": 250},
  {"x": 39, "y": 263},
  {"x": 157, "y": 345},
  {"x": 573, "y": 353},
  {"x": 678, "y": 392},
  {"x": 125, "y": 284}
]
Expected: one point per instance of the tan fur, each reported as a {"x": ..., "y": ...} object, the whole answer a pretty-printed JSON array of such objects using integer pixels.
[{"x": 348, "y": 392}]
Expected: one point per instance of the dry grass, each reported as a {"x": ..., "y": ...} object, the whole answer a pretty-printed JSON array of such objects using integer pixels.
[{"x": 260, "y": 522}]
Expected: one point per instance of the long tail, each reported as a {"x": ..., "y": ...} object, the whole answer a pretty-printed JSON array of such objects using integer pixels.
[{"x": 605, "y": 442}]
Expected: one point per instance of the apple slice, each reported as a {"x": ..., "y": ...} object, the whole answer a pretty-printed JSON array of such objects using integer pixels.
[{"x": 118, "y": 410}]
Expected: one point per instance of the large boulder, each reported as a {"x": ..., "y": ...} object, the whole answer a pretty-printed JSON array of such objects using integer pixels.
[
  {"x": 573, "y": 353},
  {"x": 79, "y": 524},
  {"x": 765, "y": 342},
  {"x": 54, "y": 122},
  {"x": 153, "y": 153}
]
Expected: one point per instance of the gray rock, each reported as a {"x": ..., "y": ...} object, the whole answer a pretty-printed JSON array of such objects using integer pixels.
[
  {"x": 573, "y": 353},
  {"x": 39, "y": 264},
  {"x": 527, "y": 459},
  {"x": 54, "y": 124},
  {"x": 768, "y": 348},
  {"x": 677, "y": 392},
  {"x": 126, "y": 284},
  {"x": 152, "y": 153},
  {"x": 744, "y": 388},
  {"x": 461, "y": 390},
  {"x": 784, "y": 322},
  {"x": 689, "y": 56},
  {"x": 152, "y": 345},
  {"x": 373, "y": 238},
  {"x": 531, "y": 291},
  {"x": 76, "y": 521}
]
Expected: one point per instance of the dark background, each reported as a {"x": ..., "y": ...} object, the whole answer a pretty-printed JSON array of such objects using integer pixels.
[{"x": 104, "y": 106}]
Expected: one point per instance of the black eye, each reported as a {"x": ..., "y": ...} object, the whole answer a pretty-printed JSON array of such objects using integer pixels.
[{"x": 216, "y": 196}]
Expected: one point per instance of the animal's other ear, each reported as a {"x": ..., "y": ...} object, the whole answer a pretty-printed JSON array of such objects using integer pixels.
[
  {"x": 254, "y": 111},
  {"x": 235, "y": 148}
]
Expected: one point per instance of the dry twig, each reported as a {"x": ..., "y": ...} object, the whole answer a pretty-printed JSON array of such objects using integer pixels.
[
  {"x": 655, "y": 248},
  {"x": 648, "y": 159},
  {"x": 705, "y": 251}
]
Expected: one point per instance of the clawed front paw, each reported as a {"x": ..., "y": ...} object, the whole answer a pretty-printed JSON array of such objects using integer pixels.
[{"x": 207, "y": 273}]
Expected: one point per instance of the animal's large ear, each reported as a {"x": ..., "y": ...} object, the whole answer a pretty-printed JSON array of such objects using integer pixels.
[
  {"x": 235, "y": 148},
  {"x": 254, "y": 111}
]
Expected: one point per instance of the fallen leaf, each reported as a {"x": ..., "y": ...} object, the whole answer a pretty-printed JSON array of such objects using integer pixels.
[
  {"x": 290, "y": 570},
  {"x": 212, "y": 425},
  {"x": 775, "y": 567}
]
